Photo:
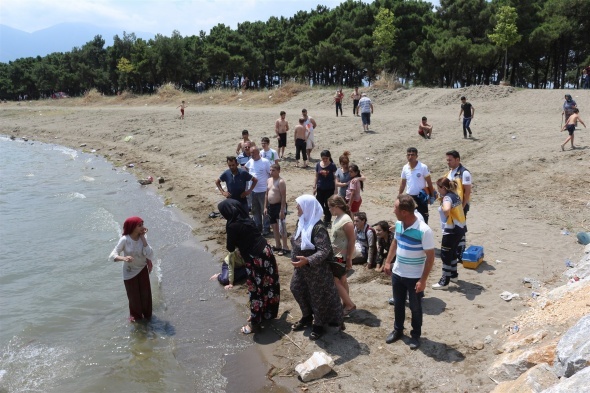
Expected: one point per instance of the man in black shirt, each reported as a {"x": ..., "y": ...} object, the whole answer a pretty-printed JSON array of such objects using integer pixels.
[{"x": 468, "y": 112}]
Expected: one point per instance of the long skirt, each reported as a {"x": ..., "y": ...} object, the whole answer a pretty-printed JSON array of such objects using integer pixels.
[
  {"x": 263, "y": 286},
  {"x": 139, "y": 293}
]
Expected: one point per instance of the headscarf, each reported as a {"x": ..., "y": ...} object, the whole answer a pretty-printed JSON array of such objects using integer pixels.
[
  {"x": 568, "y": 97},
  {"x": 312, "y": 213},
  {"x": 233, "y": 211},
  {"x": 130, "y": 224}
]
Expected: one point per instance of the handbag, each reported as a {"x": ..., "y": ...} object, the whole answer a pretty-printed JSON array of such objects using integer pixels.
[{"x": 338, "y": 266}]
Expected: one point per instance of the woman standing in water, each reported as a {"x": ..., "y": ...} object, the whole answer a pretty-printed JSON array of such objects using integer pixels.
[
  {"x": 136, "y": 267},
  {"x": 261, "y": 266}
]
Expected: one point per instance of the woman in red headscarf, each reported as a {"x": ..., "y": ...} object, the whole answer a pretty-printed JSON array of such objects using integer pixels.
[{"x": 135, "y": 253}]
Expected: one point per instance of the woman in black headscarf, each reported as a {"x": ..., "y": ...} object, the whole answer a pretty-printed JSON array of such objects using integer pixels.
[{"x": 261, "y": 266}]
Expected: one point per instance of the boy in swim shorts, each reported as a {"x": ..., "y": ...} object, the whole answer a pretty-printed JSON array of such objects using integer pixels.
[
  {"x": 275, "y": 203},
  {"x": 570, "y": 126}
]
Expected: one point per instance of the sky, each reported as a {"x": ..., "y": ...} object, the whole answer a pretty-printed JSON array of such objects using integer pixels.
[{"x": 189, "y": 17}]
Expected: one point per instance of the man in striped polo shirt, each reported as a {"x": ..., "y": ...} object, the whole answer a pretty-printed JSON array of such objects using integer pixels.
[{"x": 413, "y": 244}]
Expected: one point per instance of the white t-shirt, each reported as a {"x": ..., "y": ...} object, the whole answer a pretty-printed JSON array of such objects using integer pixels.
[
  {"x": 271, "y": 155},
  {"x": 260, "y": 169},
  {"x": 465, "y": 179},
  {"x": 415, "y": 178}
]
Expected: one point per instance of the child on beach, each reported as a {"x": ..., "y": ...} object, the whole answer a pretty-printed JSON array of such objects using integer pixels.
[
  {"x": 570, "y": 125},
  {"x": 384, "y": 240},
  {"x": 353, "y": 193},
  {"x": 300, "y": 135},
  {"x": 181, "y": 106},
  {"x": 276, "y": 208},
  {"x": 425, "y": 129},
  {"x": 245, "y": 138}
]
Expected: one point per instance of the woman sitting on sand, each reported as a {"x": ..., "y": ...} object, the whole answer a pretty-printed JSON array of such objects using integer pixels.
[
  {"x": 261, "y": 266},
  {"x": 312, "y": 283},
  {"x": 384, "y": 240},
  {"x": 343, "y": 241},
  {"x": 452, "y": 220},
  {"x": 136, "y": 267}
]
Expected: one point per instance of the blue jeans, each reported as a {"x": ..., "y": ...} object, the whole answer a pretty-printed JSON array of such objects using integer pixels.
[
  {"x": 466, "y": 124},
  {"x": 403, "y": 287}
]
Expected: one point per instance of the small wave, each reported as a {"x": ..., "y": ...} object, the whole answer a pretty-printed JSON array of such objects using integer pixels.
[
  {"x": 67, "y": 151},
  {"x": 32, "y": 366},
  {"x": 31, "y": 175},
  {"x": 87, "y": 178}
]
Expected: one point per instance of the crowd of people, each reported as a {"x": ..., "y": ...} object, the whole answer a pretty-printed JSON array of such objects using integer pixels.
[{"x": 332, "y": 233}]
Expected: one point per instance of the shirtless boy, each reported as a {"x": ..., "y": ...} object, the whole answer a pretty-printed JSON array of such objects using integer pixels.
[
  {"x": 281, "y": 128},
  {"x": 570, "y": 126},
  {"x": 424, "y": 128},
  {"x": 275, "y": 203},
  {"x": 245, "y": 138},
  {"x": 300, "y": 135},
  {"x": 181, "y": 106}
]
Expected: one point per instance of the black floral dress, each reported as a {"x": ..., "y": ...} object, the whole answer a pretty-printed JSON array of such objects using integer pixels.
[{"x": 263, "y": 285}]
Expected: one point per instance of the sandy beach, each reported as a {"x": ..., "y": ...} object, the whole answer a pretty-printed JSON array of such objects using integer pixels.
[{"x": 526, "y": 192}]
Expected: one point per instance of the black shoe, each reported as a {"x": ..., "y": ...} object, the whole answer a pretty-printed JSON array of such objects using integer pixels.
[
  {"x": 317, "y": 331},
  {"x": 414, "y": 343},
  {"x": 391, "y": 301},
  {"x": 394, "y": 336},
  {"x": 302, "y": 323}
]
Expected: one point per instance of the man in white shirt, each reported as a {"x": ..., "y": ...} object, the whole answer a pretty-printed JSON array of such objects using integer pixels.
[
  {"x": 366, "y": 109},
  {"x": 416, "y": 176},
  {"x": 259, "y": 168}
]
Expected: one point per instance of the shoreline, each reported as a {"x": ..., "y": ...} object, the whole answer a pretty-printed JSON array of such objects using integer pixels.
[{"x": 518, "y": 222}]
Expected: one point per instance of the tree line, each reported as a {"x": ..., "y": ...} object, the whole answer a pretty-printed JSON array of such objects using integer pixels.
[{"x": 530, "y": 43}]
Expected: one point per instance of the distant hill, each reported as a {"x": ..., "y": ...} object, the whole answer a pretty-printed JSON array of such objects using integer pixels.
[{"x": 62, "y": 37}]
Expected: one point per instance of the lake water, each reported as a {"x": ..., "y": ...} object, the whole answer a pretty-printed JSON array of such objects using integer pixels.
[{"x": 63, "y": 308}]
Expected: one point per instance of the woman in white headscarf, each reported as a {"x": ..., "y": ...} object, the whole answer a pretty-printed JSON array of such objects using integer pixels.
[{"x": 312, "y": 283}]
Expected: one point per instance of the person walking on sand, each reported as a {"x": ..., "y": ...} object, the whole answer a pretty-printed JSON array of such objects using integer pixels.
[
  {"x": 276, "y": 208},
  {"x": 568, "y": 107},
  {"x": 310, "y": 125},
  {"x": 365, "y": 108},
  {"x": 134, "y": 251},
  {"x": 425, "y": 129},
  {"x": 356, "y": 96},
  {"x": 281, "y": 128},
  {"x": 181, "y": 106},
  {"x": 570, "y": 126},
  {"x": 416, "y": 176},
  {"x": 413, "y": 248},
  {"x": 300, "y": 138},
  {"x": 338, "y": 97},
  {"x": 468, "y": 112}
]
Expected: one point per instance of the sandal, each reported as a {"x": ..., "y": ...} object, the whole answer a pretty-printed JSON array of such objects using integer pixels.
[
  {"x": 347, "y": 311},
  {"x": 275, "y": 249},
  {"x": 316, "y": 332},
  {"x": 286, "y": 252},
  {"x": 281, "y": 253},
  {"x": 249, "y": 328},
  {"x": 302, "y": 324}
]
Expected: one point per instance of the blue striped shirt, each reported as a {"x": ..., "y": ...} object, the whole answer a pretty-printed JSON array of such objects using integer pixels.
[{"x": 411, "y": 244}]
